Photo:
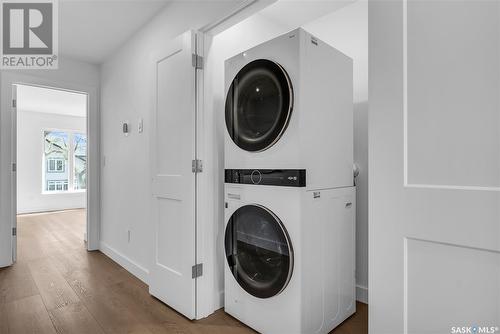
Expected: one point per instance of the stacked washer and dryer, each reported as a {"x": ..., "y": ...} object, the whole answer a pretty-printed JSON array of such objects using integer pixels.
[{"x": 289, "y": 195}]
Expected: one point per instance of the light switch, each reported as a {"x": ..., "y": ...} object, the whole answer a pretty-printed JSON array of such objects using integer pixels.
[
  {"x": 125, "y": 128},
  {"x": 141, "y": 125}
]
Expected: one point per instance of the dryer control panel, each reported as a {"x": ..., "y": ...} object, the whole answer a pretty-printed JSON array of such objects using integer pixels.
[{"x": 268, "y": 177}]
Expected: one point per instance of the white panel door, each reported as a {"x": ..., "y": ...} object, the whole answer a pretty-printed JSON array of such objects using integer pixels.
[
  {"x": 434, "y": 143},
  {"x": 174, "y": 183}
]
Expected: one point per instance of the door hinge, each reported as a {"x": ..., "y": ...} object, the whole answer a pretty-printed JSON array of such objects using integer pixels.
[
  {"x": 197, "y": 166},
  {"x": 14, "y": 167},
  {"x": 197, "y": 61},
  {"x": 197, "y": 270},
  {"x": 14, "y": 103},
  {"x": 14, "y": 231}
]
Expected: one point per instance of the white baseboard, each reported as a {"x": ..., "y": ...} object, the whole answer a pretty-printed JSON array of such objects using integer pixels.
[
  {"x": 362, "y": 294},
  {"x": 143, "y": 274},
  {"x": 27, "y": 211},
  {"x": 220, "y": 303},
  {"x": 132, "y": 267},
  {"x": 7, "y": 264}
]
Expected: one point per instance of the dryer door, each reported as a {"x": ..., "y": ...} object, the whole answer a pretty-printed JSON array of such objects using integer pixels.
[
  {"x": 258, "y": 251},
  {"x": 258, "y": 105}
]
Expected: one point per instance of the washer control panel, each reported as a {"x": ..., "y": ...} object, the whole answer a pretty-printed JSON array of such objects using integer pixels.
[{"x": 268, "y": 177}]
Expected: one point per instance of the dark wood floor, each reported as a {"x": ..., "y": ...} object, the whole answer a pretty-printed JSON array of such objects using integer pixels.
[{"x": 56, "y": 286}]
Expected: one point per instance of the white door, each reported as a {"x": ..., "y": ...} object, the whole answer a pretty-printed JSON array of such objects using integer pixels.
[
  {"x": 434, "y": 143},
  {"x": 174, "y": 182},
  {"x": 8, "y": 217}
]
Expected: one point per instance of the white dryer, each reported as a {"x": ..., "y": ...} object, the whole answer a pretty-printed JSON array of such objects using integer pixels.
[
  {"x": 290, "y": 255},
  {"x": 289, "y": 106}
]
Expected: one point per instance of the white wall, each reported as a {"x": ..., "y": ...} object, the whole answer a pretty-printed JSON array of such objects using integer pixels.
[
  {"x": 69, "y": 72},
  {"x": 346, "y": 30},
  {"x": 128, "y": 86},
  {"x": 30, "y": 127}
]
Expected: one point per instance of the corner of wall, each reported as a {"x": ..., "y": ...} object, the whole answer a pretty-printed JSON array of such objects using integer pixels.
[
  {"x": 362, "y": 294},
  {"x": 131, "y": 266}
]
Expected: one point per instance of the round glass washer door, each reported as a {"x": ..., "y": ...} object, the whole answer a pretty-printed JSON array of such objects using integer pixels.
[
  {"x": 258, "y": 251},
  {"x": 259, "y": 104}
]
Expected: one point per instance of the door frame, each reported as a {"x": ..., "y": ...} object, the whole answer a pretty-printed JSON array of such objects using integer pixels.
[
  {"x": 208, "y": 242},
  {"x": 8, "y": 79},
  {"x": 202, "y": 187}
]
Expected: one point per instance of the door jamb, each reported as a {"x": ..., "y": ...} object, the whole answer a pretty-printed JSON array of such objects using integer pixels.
[
  {"x": 208, "y": 297},
  {"x": 203, "y": 220},
  {"x": 13, "y": 179}
]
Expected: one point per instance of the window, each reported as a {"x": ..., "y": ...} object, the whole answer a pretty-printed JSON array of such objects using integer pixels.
[
  {"x": 80, "y": 159},
  {"x": 65, "y": 161},
  {"x": 56, "y": 165},
  {"x": 57, "y": 185}
]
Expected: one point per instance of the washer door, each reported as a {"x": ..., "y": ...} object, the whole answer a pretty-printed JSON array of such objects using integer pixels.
[
  {"x": 258, "y": 105},
  {"x": 258, "y": 251}
]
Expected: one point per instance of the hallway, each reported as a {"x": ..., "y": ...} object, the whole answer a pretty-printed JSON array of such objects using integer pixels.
[{"x": 56, "y": 286}]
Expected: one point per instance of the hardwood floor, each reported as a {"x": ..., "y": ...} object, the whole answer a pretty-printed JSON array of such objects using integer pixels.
[{"x": 56, "y": 286}]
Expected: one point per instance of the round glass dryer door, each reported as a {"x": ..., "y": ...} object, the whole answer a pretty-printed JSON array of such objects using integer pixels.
[
  {"x": 258, "y": 251},
  {"x": 258, "y": 105}
]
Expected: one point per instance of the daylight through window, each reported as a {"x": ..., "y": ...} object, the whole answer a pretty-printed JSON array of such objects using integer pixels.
[{"x": 65, "y": 161}]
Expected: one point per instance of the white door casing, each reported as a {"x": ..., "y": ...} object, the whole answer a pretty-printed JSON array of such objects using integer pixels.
[
  {"x": 13, "y": 185},
  {"x": 6, "y": 176},
  {"x": 434, "y": 147},
  {"x": 173, "y": 181},
  {"x": 8, "y": 205},
  {"x": 8, "y": 221}
]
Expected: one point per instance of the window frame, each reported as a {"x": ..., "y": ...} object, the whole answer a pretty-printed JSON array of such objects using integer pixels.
[
  {"x": 73, "y": 157},
  {"x": 68, "y": 186}
]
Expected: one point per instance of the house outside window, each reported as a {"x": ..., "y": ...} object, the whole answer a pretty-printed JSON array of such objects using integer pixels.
[
  {"x": 56, "y": 165},
  {"x": 57, "y": 185},
  {"x": 65, "y": 161}
]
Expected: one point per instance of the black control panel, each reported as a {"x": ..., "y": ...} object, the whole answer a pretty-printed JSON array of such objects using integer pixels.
[{"x": 268, "y": 177}]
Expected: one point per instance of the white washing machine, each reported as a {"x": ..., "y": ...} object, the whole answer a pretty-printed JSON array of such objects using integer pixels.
[
  {"x": 289, "y": 105},
  {"x": 290, "y": 255}
]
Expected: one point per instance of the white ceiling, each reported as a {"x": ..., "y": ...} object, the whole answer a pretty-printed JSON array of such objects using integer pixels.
[
  {"x": 90, "y": 30},
  {"x": 51, "y": 101},
  {"x": 295, "y": 13}
]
